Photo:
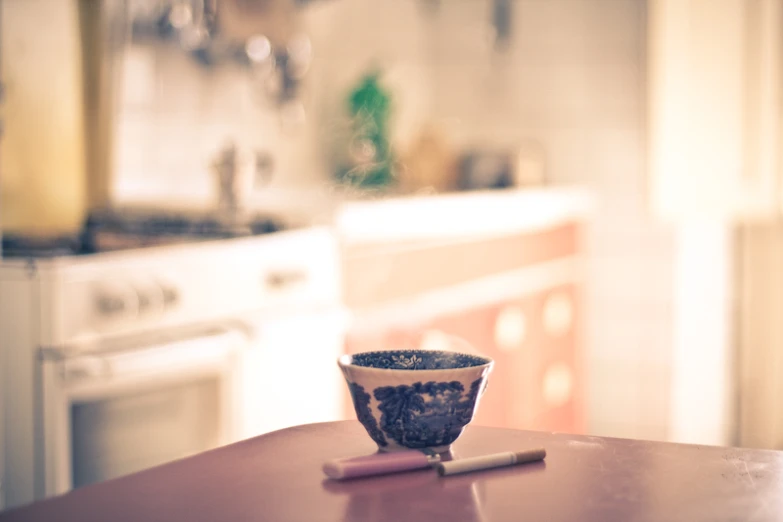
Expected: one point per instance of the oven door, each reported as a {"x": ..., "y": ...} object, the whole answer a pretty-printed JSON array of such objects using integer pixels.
[{"x": 136, "y": 403}]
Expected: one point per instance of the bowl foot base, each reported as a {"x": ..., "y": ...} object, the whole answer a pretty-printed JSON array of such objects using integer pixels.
[{"x": 435, "y": 449}]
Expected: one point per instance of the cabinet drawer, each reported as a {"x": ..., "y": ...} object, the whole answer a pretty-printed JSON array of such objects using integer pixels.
[{"x": 381, "y": 274}]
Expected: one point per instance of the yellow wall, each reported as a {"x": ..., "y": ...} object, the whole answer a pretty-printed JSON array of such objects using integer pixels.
[{"x": 42, "y": 175}]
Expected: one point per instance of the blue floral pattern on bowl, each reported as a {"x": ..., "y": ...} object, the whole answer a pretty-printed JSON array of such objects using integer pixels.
[
  {"x": 419, "y": 399},
  {"x": 426, "y": 415},
  {"x": 422, "y": 415},
  {"x": 361, "y": 402},
  {"x": 417, "y": 360}
]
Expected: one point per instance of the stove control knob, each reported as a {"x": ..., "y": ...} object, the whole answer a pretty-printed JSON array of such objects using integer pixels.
[
  {"x": 117, "y": 301},
  {"x": 170, "y": 296},
  {"x": 111, "y": 304},
  {"x": 150, "y": 296}
]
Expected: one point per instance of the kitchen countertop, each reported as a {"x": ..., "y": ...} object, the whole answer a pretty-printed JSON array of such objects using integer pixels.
[
  {"x": 395, "y": 249},
  {"x": 460, "y": 215},
  {"x": 278, "y": 477}
]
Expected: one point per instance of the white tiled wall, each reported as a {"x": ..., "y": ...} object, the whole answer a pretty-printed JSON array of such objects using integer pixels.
[{"x": 573, "y": 79}]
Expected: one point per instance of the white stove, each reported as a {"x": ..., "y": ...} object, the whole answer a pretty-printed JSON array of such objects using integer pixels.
[{"x": 117, "y": 361}]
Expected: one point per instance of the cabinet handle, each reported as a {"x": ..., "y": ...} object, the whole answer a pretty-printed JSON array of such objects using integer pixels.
[
  {"x": 510, "y": 328},
  {"x": 282, "y": 279},
  {"x": 84, "y": 368},
  {"x": 558, "y": 314}
]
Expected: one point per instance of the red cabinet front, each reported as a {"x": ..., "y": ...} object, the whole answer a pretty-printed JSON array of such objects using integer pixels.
[{"x": 537, "y": 379}]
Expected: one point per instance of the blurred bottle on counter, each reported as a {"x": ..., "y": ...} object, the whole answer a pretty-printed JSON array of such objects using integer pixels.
[
  {"x": 370, "y": 159},
  {"x": 486, "y": 168},
  {"x": 429, "y": 164}
]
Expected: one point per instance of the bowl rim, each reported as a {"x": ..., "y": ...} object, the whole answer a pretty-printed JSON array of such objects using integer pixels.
[{"x": 343, "y": 361}]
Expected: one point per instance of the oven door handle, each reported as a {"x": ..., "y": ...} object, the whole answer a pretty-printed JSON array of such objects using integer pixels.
[{"x": 181, "y": 356}]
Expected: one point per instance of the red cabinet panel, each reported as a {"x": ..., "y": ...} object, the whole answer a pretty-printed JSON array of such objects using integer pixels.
[{"x": 537, "y": 380}]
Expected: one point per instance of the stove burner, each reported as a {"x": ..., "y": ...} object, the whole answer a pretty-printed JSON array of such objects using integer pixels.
[
  {"x": 111, "y": 230},
  {"x": 30, "y": 246}
]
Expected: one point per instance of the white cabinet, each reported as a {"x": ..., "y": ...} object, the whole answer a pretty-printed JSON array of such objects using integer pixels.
[
  {"x": 292, "y": 377},
  {"x": 714, "y": 92}
]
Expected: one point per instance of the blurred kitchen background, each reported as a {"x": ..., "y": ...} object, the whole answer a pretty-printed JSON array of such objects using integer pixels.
[{"x": 204, "y": 202}]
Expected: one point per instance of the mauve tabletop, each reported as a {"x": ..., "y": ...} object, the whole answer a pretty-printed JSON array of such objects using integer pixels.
[{"x": 278, "y": 477}]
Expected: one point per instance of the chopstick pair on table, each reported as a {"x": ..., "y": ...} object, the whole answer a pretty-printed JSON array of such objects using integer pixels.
[{"x": 385, "y": 463}]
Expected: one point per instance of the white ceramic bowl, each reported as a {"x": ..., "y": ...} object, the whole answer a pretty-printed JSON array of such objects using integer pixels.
[{"x": 420, "y": 399}]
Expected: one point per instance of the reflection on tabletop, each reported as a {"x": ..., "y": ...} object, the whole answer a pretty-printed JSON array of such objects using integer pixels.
[{"x": 421, "y": 492}]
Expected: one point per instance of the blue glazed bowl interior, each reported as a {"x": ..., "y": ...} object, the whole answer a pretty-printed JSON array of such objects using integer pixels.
[{"x": 414, "y": 360}]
